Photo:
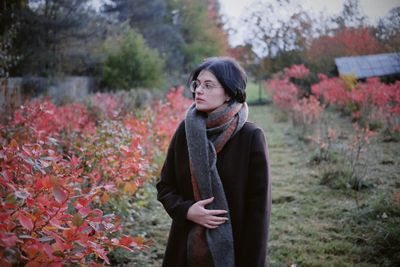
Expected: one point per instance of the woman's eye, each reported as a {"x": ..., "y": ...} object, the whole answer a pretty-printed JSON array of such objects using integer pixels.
[{"x": 208, "y": 86}]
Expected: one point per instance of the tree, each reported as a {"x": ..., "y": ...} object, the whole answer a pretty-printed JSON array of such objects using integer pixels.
[
  {"x": 247, "y": 58},
  {"x": 8, "y": 8},
  {"x": 8, "y": 33},
  {"x": 154, "y": 21},
  {"x": 280, "y": 37},
  {"x": 388, "y": 30},
  {"x": 276, "y": 33},
  {"x": 347, "y": 42},
  {"x": 131, "y": 63},
  {"x": 183, "y": 31},
  {"x": 52, "y": 35},
  {"x": 350, "y": 16},
  {"x": 201, "y": 29},
  {"x": 7, "y": 59}
]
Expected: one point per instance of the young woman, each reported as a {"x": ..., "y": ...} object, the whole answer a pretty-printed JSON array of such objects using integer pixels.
[{"x": 215, "y": 182}]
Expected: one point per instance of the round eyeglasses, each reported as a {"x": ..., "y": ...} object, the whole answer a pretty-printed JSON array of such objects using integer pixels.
[{"x": 207, "y": 86}]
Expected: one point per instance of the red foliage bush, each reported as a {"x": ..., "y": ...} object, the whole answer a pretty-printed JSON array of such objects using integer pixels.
[
  {"x": 171, "y": 112},
  {"x": 286, "y": 97},
  {"x": 46, "y": 211},
  {"x": 284, "y": 94},
  {"x": 44, "y": 119},
  {"x": 370, "y": 102},
  {"x": 307, "y": 111},
  {"x": 297, "y": 71},
  {"x": 377, "y": 101},
  {"x": 105, "y": 105},
  {"x": 53, "y": 197},
  {"x": 331, "y": 91}
]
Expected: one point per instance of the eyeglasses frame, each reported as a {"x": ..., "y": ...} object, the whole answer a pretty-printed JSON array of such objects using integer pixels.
[{"x": 201, "y": 84}]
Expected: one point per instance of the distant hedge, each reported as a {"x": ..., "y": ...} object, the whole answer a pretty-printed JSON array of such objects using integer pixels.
[{"x": 130, "y": 63}]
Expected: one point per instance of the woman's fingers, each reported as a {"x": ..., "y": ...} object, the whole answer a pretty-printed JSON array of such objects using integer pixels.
[
  {"x": 205, "y": 201},
  {"x": 216, "y": 222},
  {"x": 217, "y": 212},
  {"x": 210, "y": 226},
  {"x": 213, "y": 224},
  {"x": 208, "y": 218},
  {"x": 217, "y": 219}
]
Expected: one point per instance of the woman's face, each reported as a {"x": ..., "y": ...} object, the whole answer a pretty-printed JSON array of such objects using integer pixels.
[{"x": 210, "y": 94}]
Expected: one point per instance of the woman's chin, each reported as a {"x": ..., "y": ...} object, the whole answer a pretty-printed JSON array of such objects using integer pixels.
[
  {"x": 205, "y": 109},
  {"x": 201, "y": 107}
]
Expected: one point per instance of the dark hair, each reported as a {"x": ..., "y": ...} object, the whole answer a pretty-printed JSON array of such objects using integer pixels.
[{"x": 229, "y": 74}]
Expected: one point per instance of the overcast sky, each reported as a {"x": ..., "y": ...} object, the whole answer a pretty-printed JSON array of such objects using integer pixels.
[{"x": 374, "y": 9}]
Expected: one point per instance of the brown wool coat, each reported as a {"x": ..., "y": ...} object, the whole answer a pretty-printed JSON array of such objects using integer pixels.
[{"x": 243, "y": 165}]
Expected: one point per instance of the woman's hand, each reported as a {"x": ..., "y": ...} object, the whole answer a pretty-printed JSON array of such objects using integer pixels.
[{"x": 207, "y": 218}]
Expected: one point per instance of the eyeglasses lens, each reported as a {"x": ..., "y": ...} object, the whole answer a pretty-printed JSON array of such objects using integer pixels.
[{"x": 194, "y": 85}]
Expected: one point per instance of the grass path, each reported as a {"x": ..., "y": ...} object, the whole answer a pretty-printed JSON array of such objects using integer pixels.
[
  {"x": 314, "y": 225},
  {"x": 304, "y": 226},
  {"x": 310, "y": 223}
]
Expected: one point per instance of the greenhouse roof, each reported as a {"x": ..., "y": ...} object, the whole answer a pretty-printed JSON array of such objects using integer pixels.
[{"x": 369, "y": 66}]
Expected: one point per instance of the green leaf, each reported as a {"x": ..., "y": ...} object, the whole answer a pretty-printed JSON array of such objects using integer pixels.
[{"x": 77, "y": 220}]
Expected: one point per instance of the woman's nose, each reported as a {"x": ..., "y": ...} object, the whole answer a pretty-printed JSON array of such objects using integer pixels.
[{"x": 198, "y": 90}]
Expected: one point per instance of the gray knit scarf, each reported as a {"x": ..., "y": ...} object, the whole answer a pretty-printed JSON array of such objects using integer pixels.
[{"x": 206, "y": 136}]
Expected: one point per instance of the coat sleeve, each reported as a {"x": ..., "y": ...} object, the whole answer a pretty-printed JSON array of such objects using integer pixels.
[
  {"x": 258, "y": 204},
  {"x": 175, "y": 205}
]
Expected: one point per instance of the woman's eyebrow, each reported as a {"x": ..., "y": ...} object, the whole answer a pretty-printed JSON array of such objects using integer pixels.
[{"x": 207, "y": 81}]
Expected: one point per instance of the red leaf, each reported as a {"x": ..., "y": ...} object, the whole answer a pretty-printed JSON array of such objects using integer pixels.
[
  {"x": 30, "y": 201},
  {"x": 126, "y": 241},
  {"x": 74, "y": 161},
  {"x": 100, "y": 251},
  {"x": 82, "y": 202},
  {"x": 8, "y": 239},
  {"x": 47, "y": 182},
  {"x": 56, "y": 223},
  {"x": 138, "y": 242},
  {"x": 49, "y": 250},
  {"x": 84, "y": 211},
  {"x": 25, "y": 221},
  {"x": 97, "y": 213},
  {"x": 125, "y": 149},
  {"x": 59, "y": 194}
]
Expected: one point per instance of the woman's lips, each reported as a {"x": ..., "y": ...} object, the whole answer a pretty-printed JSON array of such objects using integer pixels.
[{"x": 199, "y": 100}]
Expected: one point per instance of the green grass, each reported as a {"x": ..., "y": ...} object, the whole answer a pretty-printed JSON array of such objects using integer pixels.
[
  {"x": 254, "y": 93},
  {"x": 315, "y": 225}
]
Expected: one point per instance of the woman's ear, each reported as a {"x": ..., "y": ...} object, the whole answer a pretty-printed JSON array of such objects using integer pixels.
[{"x": 227, "y": 97}]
